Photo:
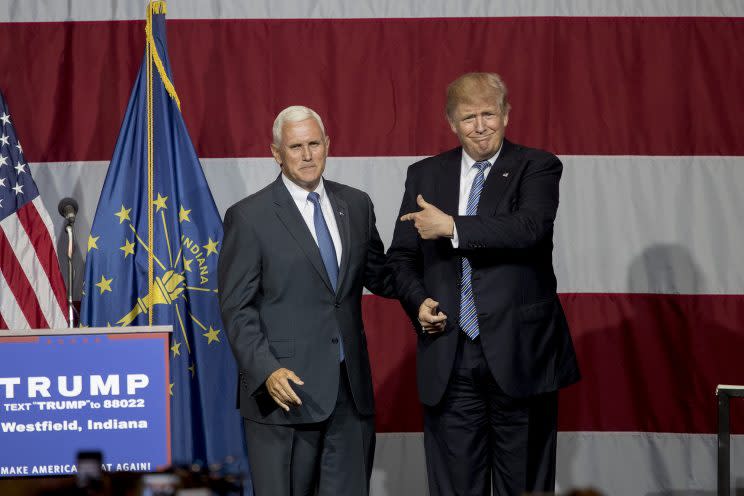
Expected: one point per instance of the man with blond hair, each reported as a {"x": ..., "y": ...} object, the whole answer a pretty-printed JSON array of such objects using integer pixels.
[
  {"x": 294, "y": 260},
  {"x": 472, "y": 262}
]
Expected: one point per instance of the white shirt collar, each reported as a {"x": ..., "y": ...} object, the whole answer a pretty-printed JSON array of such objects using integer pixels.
[
  {"x": 299, "y": 195},
  {"x": 468, "y": 161}
]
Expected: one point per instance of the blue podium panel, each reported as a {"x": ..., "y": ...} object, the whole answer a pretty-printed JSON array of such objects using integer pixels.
[{"x": 61, "y": 394}]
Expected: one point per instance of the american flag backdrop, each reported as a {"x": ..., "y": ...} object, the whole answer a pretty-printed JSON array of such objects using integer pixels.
[
  {"x": 32, "y": 292},
  {"x": 642, "y": 101}
]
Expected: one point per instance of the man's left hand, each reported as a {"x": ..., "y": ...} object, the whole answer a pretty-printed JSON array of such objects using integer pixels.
[{"x": 430, "y": 222}]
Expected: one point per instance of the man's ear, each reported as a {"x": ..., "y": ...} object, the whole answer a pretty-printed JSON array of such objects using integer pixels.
[
  {"x": 451, "y": 124},
  {"x": 275, "y": 153}
]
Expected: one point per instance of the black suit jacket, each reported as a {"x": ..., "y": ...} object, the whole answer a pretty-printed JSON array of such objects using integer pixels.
[
  {"x": 279, "y": 307},
  {"x": 523, "y": 329}
]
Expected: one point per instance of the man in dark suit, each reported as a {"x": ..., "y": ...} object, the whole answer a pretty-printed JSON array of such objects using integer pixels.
[
  {"x": 294, "y": 260},
  {"x": 472, "y": 263}
]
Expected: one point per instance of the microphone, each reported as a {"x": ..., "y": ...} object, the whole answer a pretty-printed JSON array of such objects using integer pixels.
[{"x": 68, "y": 208}]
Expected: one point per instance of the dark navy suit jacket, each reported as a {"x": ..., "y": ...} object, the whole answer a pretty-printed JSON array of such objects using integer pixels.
[
  {"x": 279, "y": 307},
  {"x": 509, "y": 243}
]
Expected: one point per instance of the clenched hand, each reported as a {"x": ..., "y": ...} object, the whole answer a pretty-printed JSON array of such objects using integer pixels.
[
  {"x": 280, "y": 389},
  {"x": 432, "y": 320}
]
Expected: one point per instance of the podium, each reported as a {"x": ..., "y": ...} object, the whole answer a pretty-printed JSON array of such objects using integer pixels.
[{"x": 89, "y": 389}]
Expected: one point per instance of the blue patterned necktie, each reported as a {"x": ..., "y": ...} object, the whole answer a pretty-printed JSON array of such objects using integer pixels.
[
  {"x": 327, "y": 250},
  {"x": 468, "y": 312},
  {"x": 325, "y": 242}
]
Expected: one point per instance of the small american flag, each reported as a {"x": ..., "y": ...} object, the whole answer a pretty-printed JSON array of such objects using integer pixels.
[{"x": 32, "y": 292}]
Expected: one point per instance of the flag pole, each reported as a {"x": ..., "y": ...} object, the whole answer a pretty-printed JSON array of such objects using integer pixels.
[{"x": 150, "y": 164}]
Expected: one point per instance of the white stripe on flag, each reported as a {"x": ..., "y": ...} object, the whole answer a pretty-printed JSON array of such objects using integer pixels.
[
  {"x": 9, "y": 309},
  {"x": 615, "y": 463},
  {"x": 33, "y": 269},
  {"x": 96, "y": 10},
  {"x": 60, "y": 317},
  {"x": 44, "y": 215},
  {"x": 618, "y": 215}
]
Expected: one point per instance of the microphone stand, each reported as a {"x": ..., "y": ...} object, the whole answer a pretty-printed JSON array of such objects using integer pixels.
[
  {"x": 70, "y": 308},
  {"x": 68, "y": 208}
]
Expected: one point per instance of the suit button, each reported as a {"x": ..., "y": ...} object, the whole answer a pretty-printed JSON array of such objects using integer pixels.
[
  {"x": 334, "y": 340},
  {"x": 337, "y": 305}
]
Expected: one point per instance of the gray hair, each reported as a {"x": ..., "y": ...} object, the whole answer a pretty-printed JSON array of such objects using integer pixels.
[{"x": 295, "y": 113}]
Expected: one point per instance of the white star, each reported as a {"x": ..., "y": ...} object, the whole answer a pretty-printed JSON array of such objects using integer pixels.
[
  {"x": 18, "y": 145},
  {"x": 3, "y": 160},
  {"x": 18, "y": 188},
  {"x": 4, "y": 140},
  {"x": 1, "y": 203},
  {"x": 2, "y": 182},
  {"x": 21, "y": 167},
  {"x": 5, "y": 118}
]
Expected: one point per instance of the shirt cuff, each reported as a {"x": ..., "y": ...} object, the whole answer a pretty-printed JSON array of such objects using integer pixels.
[{"x": 455, "y": 240}]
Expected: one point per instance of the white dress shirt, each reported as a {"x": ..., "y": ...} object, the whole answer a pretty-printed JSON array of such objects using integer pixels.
[
  {"x": 307, "y": 209},
  {"x": 467, "y": 176}
]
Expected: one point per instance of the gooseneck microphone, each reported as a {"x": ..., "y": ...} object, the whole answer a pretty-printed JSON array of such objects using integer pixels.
[{"x": 68, "y": 208}]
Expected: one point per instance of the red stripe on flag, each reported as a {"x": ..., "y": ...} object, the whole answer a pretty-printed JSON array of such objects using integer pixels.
[
  {"x": 652, "y": 362},
  {"x": 3, "y": 324},
  {"x": 19, "y": 285},
  {"x": 41, "y": 240},
  {"x": 379, "y": 83},
  {"x": 649, "y": 362},
  {"x": 391, "y": 342}
]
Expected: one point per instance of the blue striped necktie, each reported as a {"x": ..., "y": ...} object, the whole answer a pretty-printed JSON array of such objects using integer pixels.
[
  {"x": 468, "y": 312},
  {"x": 327, "y": 250}
]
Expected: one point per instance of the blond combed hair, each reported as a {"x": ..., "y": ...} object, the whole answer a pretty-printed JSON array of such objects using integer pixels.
[{"x": 464, "y": 88}]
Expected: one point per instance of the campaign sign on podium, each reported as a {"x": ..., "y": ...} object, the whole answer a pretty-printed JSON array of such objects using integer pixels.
[{"x": 72, "y": 390}]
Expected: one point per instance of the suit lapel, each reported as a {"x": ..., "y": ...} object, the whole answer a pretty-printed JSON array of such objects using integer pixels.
[
  {"x": 448, "y": 190},
  {"x": 341, "y": 213},
  {"x": 286, "y": 210},
  {"x": 448, "y": 201},
  {"x": 502, "y": 173}
]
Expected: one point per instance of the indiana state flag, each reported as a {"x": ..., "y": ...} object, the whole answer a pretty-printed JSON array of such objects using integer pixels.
[{"x": 152, "y": 258}]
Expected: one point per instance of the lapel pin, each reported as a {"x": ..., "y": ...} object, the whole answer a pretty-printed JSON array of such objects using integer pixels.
[
  {"x": 340, "y": 213},
  {"x": 505, "y": 174}
]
